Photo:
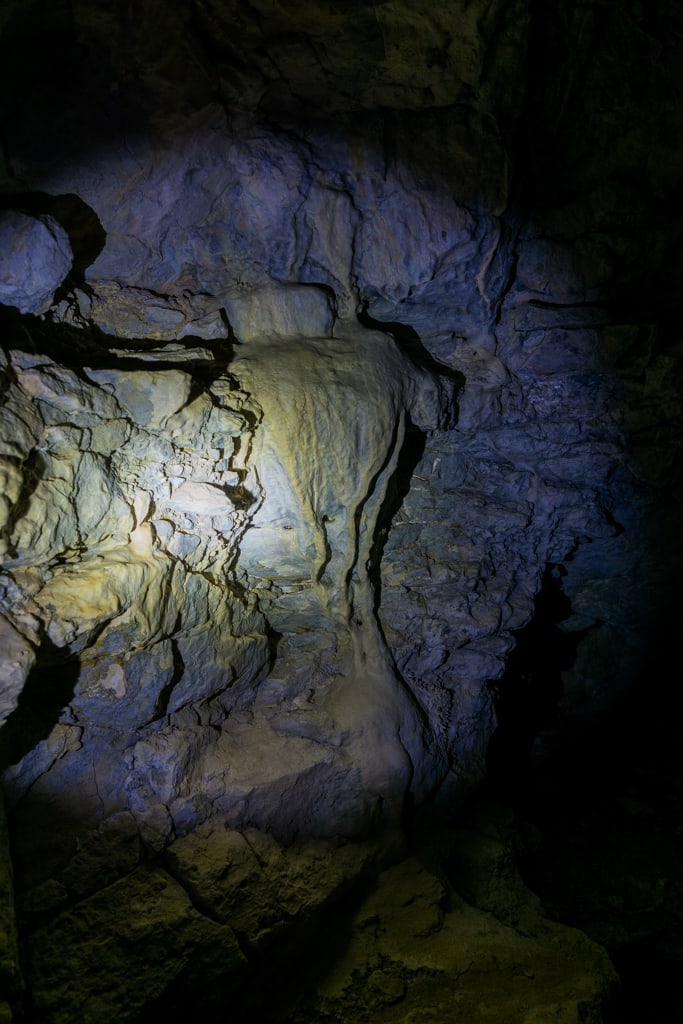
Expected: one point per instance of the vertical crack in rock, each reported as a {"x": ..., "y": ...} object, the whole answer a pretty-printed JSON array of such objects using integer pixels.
[
  {"x": 398, "y": 487},
  {"x": 48, "y": 689},
  {"x": 528, "y": 693},
  {"x": 408, "y": 341},
  {"x": 164, "y": 697},
  {"x": 358, "y": 579}
]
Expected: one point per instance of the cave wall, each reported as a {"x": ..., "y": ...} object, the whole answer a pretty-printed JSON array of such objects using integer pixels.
[{"x": 325, "y": 334}]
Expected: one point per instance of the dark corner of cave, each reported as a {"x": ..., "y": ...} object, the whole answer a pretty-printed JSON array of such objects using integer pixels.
[{"x": 341, "y": 397}]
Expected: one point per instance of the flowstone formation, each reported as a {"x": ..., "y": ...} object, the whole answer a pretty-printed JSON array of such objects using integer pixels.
[
  {"x": 186, "y": 507},
  {"x": 317, "y": 364}
]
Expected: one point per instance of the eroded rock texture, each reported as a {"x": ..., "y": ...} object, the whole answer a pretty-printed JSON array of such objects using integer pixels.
[{"x": 328, "y": 336}]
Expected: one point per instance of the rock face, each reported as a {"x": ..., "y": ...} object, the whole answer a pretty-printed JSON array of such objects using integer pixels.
[
  {"x": 418, "y": 952},
  {"x": 319, "y": 355},
  {"x": 36, "y": 257}
]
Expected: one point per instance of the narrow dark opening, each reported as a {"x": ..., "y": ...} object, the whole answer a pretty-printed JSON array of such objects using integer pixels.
[
  {"x": 398, "y": 486},
  {"x": 527, "y": 694},
  {"x": 48, "y": 689}
]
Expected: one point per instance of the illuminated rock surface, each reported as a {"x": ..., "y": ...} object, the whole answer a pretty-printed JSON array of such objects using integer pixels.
[
  {"x": 35, "y": 258},
  {"x": 334, "y": 344}
]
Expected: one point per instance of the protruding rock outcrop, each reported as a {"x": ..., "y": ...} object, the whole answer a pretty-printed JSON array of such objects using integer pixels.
[{"x": 35, "y": 257}]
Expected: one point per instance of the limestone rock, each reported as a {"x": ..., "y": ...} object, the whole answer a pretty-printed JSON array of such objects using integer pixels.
[
  {"x": 248, "y": 880},
  {"x": 35, "y": 257},
  {"x": 128, "y": 944},
  {"x": 276, "y": 233},
  {"x": 281, "y": 311},
  {"x": 148, "y": 397},
  {"x": 219, "y": 901},
  {"x": 418, "y": 952},
  {"x": 17, "y": 659},
  {"x": 365, "y": 318}
]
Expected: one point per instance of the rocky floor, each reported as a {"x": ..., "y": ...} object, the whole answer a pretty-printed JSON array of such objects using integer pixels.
[
  {"x": 522, "y": 910},
  {"x": 417, "y": 951},
  {"x": 559, "y": 900}
]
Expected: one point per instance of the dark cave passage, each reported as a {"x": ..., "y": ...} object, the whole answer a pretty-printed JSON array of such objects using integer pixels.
[
  {"x": 527, "y": 694},
  {"x": 602, "y": 812},
  {"x": 601, "y": 807}
]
